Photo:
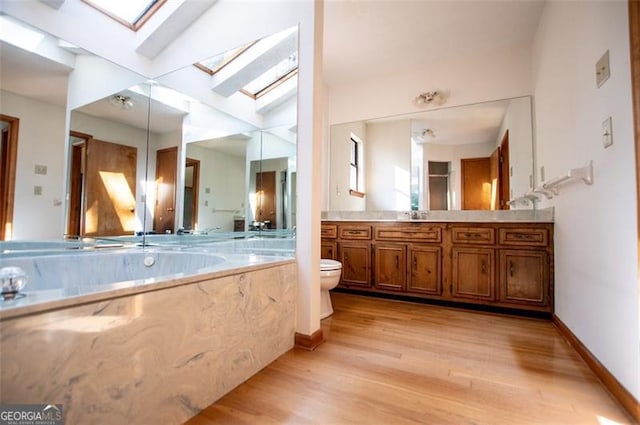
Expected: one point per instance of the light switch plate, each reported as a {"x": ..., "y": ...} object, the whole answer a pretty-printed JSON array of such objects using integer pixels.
[
  {"x": 603, "y": 70},
  {"x": 607, "y": 133},
  {"x": 40, "y": 169},
  {"x": 37, "y": 190}
]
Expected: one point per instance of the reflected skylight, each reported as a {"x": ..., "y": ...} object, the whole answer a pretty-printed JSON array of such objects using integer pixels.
[
  {"x": 128, "y": 12},
  {"x": 214, "y": 64},
  {"x": 274, "y": 74}
]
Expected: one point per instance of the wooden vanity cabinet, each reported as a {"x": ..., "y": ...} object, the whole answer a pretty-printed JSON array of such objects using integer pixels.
[
  {"x": 390, "y": 266},
  {"x": 425, "y": 270},
  {"x": 354, "y": 252},
  {"x": 506, "y": 265},
  {"x": 328, "y": 244},
  {"x": 473, "y": 274}
]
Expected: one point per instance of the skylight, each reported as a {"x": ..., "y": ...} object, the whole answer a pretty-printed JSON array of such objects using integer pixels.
[{"x": 131, "y": 13}]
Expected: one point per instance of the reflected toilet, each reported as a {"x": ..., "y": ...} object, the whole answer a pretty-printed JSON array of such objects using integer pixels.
[{"x": 330, "y": 271}]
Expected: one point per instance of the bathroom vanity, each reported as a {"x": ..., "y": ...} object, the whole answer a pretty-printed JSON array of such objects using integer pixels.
[{"x": 500, "y": 264}]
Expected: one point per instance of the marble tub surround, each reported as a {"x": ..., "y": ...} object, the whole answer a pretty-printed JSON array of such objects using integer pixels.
[
  {"x": 155, "y": 357},
  {"x": 57, "y": 281},
  {"x": 545, "y": 215}
]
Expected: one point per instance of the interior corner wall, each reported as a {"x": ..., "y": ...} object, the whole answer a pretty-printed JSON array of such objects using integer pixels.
[
  {"x": 41, "y": 141},
  {"x": 596, "y": 287}
]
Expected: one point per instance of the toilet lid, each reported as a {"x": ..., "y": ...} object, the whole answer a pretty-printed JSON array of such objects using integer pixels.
[{"x": 326, "y": 264}]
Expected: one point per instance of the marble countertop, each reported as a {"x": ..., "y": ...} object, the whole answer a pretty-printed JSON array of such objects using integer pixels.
[
  {"x": 502, "y": 216},
  {"x": 45, "y": 300}
]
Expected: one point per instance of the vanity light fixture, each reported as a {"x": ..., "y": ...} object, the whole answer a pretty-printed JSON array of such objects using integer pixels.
[
  {"x": 429, "y": 98},
  {"x": 121, "y": 101},
  {"x": 428, "y": 132}
]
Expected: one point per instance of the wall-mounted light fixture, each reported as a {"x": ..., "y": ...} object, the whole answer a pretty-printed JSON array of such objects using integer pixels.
[
  {"x": 428, "y": 132},
  {"x": 429, "y": 98},
  {"x": 121, "y": 101}
]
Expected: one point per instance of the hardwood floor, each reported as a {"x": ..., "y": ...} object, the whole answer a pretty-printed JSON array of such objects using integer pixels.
[{"x": 390, "y": 362}]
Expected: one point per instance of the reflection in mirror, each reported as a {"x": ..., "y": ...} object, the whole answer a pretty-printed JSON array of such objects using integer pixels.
[{"x": 472, "y": 157}]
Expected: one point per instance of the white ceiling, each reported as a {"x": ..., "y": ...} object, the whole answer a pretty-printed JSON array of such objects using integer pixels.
[{"x": 367, "y": 38}]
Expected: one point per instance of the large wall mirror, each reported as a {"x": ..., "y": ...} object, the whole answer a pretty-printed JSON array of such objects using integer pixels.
[
  {"x": 103, "y": 151},
  {"x": 472, "y": 157}
]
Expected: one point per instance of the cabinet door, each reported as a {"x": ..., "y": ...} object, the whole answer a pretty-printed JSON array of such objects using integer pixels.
[
  {"x": 356, "y": 264},
  {"x": 328, "y": 250},
  {"x": 425, "y": 272},
  {"x": 473, "y": 273},
  {"x": 390, "y": 266},
  {"x": 524, "y": 277}
]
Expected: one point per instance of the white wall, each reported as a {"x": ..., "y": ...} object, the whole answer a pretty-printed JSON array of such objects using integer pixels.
[
  {"x": 224, "y": 177},
  {"x": 388, "y": 162},
  {"x": 596, "y": 233},
  {"x": 501, "y": 75},
  {"x": 41, "y": 141}
]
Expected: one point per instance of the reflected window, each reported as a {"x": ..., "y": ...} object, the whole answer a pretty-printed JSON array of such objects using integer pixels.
[
  {"x": 216, "y": 63},
  {"x": 130, "y": 13}
]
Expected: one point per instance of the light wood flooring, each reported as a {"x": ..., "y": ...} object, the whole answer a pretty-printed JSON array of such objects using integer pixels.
[{"x": 390, "y": 362}]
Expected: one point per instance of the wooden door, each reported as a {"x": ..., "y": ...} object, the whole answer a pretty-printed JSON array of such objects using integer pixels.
[
  {"x": 494, "y": 179},
  {"x": 473, "y": 273},
  {"x": 476, "y": 183},
  {"x": 390, "y": 262},
  {"x": 425, "y": 271},
  {"x": 523, "y": 277},
  {"x": 505, "y": 172},
  {"x": 191, "y": 190},
  {"x": 356, "y": 264},
  {"x": 164, "y": 217},
  {"x": 8, "y": 159},
  {"x": 110, "y": 195},
  {"x": 266, "y": 198}
]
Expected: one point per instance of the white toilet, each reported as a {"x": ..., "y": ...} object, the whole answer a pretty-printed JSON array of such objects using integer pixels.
[{"x": 330, "y": 271}]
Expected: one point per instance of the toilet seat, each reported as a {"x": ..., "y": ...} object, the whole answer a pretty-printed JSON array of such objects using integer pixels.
[{"x": 327, "y": 265}]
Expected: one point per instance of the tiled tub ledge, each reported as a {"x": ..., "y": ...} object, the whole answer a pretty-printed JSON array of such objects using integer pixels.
[{"x": 153, "y": 353}]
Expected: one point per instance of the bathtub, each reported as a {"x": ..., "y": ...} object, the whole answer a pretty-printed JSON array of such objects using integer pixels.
[{"x": 142, "y": 335}]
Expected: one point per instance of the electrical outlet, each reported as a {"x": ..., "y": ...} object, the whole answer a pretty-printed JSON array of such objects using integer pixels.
[
  {"x": 37, "y": 190},
  {"x": 607, "y": 133},
  {"x": 603, "y": 70}
]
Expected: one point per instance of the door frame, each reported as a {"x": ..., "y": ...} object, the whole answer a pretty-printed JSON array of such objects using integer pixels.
[
  {"x": 10, "y": 158},
  {"x": 195, "y": 163}
]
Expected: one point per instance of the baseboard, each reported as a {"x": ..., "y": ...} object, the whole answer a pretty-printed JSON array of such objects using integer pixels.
[
  {"x": 620, "y": 393},
  {"x": 309, "y": 342}
]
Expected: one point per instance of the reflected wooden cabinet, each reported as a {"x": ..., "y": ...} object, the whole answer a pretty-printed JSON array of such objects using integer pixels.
[
  {"x": 390, "y": 263},
  {"x": 425, "y": 276},
  {"x": 473, "y": 273},
  {"x": 506, "y": 265}
]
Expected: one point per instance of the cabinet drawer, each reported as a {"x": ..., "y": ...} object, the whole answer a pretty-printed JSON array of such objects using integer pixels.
[
  {"x": 524, "y": 236},
  {"x": 473, "y": 235},
  {"x": 328, "y": 231},
  {"x": 418, "y": 233},
  {"x": 355, "y": 232}
]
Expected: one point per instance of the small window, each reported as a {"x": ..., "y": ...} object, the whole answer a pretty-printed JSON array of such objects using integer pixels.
[
  {"x": 130, "y": 13},
  {"x": 355, "y": 169}
]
